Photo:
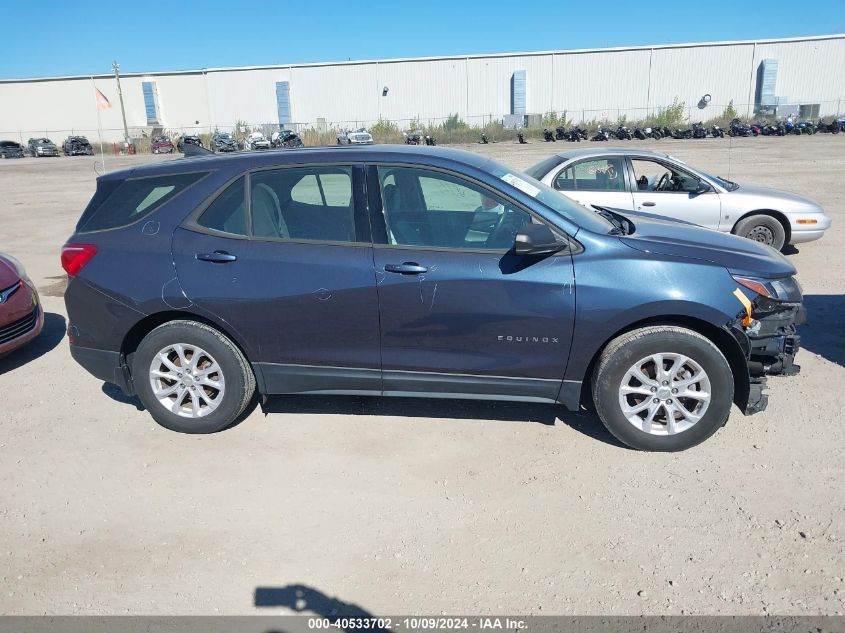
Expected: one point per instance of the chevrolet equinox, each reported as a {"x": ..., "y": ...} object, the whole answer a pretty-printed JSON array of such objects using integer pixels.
[{"x": 416, "y": 271}]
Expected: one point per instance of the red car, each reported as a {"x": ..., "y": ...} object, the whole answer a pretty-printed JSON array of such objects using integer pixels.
[
  {"x": 21, "y": 316},
  {"x": 161, "y": 145}
]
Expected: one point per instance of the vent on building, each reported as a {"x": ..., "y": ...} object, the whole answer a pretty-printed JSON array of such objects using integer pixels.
[
  {"x": 809, "y": 110},
  {"x": 150, "y": 102},
  {"x": 767, "y": 78},
  {"x": 283, "y": 101},
  {"x": 518, "y": 92}
]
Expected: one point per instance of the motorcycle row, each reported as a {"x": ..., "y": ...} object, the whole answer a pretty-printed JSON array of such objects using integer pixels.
[
  {"x": 418, "y": 138},
  {"x": 697, "y": 130}
]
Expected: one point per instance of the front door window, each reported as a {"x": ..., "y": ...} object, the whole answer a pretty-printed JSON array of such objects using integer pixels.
[
  {"x": 651, "y": 175},
  {"x": 433, "y": 209}
]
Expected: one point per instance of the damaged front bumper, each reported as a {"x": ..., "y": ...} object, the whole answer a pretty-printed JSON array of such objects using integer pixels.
[{"x": 770, "y": 342}]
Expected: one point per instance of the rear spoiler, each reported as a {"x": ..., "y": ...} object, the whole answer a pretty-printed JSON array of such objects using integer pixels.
[{"x": 189, "y": 149}]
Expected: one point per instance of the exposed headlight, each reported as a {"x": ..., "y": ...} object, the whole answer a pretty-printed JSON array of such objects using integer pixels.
[{"x": 784, "y": 289}]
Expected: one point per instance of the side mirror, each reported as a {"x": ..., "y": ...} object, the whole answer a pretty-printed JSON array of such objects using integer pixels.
[{"x": 536, "y": 239}]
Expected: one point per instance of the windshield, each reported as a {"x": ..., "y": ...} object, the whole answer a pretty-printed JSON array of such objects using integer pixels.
[
  {"x": 43, "y": 141},
  {"x": 563, "y": 206}
]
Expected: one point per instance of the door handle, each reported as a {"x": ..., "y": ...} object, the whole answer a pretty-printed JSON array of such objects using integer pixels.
[
  {"x": 217, "y": 257},
  {"x": 405, "y": 268},
  {"x": 648, "y": 204}
]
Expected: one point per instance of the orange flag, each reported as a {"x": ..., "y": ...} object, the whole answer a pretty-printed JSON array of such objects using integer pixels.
[{"x": 102, "y": 102}]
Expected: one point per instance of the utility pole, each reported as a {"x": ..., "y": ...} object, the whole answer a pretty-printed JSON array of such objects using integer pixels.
[{"x": 116, "y": 67}]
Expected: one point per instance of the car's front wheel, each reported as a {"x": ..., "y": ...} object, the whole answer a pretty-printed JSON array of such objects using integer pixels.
[
  {"x": 191, "y": 378},
  {"x": 762, "y": 228},
  {"x": 662, "y": 388}
]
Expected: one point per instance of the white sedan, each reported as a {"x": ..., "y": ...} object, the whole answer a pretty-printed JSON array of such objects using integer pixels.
[
  {"x": 650, "y": 182},
  {"x": 359, "y": 137},
  {"x": 256, "y": 140}
]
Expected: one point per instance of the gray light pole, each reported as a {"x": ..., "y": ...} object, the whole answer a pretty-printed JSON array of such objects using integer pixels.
[{"x": 116, "y": 67}]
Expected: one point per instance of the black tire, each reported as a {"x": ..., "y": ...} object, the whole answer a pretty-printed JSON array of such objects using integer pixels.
[
  {"x": 624, "y": 351},
  {"x": 762, "y": 228},
  {"x": 237, "y": 374}
]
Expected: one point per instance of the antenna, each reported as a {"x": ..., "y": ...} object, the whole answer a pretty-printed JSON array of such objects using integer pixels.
[{"x": 730, "y": 145}]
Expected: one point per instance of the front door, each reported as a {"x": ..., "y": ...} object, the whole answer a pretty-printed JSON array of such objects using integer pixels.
[
  {"x": 663, "y": 188},
  {"x": 293, "y": 276},
  {"x": 596, "y": 181},
  {"x": 458, "y": 313}
]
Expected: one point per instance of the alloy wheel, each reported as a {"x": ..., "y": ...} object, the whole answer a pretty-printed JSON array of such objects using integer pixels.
[
  {"x": 664, "y": 394},
  {"x": 187, "y": 380}
]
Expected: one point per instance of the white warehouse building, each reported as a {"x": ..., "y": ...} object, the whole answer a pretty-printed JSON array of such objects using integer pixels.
[{"x": 801, "y": 75}]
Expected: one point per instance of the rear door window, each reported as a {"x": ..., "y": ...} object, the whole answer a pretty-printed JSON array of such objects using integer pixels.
[
  {"x": 227, "y": 213},
  {"x": 131, "y": 200},
  {"x": 303, "y": 203},
  {"x": 596, "y": 174}
]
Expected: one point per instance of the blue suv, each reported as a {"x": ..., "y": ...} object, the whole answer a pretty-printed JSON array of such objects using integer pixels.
[{"x": 416, "y": 271}]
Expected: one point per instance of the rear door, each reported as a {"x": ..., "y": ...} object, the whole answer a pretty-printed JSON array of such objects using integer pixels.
[
  {"x": 596, "y": 181},
  {"x": 283, "y": 256},
  {"x": 663, "y": 188}
]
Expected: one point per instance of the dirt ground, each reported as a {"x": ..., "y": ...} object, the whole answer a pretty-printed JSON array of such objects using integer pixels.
[{"x": 411, "y": 507}]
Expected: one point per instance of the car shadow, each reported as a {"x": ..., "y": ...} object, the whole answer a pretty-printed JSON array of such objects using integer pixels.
[
  {"x": 824, "y": 333},
  {"x": 585, "y": 422},
  {"x": 51, "y": 335},
  {"x": 302, "y": 598},
  {"x": 116, "y": 393}
]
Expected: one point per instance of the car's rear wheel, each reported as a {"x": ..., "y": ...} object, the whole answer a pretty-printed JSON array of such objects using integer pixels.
[
  {"x": 191, "y": 378},
  {"x": 662, "y": 388},
  {"x": 762, "y": 228}
]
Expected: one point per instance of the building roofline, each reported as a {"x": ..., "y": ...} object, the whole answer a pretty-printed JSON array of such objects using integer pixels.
[{"x": 396, "y": 60}]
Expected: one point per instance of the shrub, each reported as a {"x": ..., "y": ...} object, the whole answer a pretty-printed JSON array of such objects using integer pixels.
[
  {"x": 551, "y": 120},
  {"x": 724, "y": 119},
  {"x": 670, "y": 116},
  {"x": 386, "y": 131},
  {"x": 453, "y": 122}
]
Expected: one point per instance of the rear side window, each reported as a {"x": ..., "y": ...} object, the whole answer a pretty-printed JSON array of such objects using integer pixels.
[
  {"x": 227, "y": 213},
  {"x": 303, "y": 203},
  {"x": 131, "y": 200}
]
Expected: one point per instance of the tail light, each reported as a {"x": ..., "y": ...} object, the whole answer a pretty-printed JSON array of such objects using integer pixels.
[{"x": 75, "y": 256}]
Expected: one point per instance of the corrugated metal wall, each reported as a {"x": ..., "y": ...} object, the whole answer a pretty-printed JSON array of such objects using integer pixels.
[
  {"x": 600, "y": 85},
  {"x": 587, "y": 85}
]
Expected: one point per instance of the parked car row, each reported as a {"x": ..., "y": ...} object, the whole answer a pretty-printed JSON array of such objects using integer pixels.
[{"x": 43, "y": 147}]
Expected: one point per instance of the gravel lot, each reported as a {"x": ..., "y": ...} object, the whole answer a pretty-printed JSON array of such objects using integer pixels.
[{"x": 404, "y": 506}]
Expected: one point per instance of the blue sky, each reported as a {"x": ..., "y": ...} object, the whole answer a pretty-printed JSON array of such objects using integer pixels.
[{"x": 86, "y": 35}]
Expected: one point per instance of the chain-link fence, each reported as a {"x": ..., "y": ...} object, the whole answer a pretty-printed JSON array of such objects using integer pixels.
[{"x": 455, "y": 128}]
